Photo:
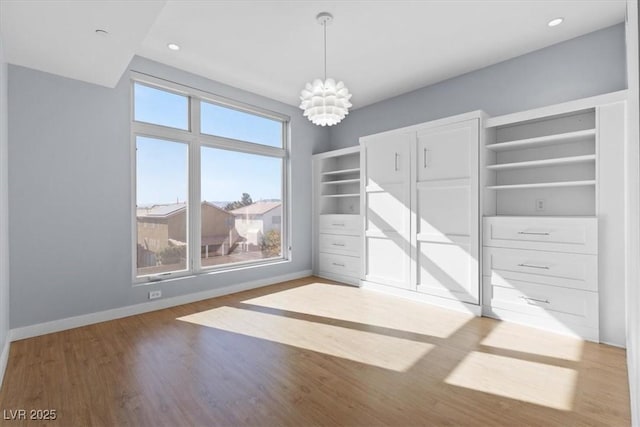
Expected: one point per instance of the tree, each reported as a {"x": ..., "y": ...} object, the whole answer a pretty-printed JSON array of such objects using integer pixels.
[
  {"x": 270, "y": 244},
  {"x": 245, "y": 200},
  {"x": 173, "y": 254}
]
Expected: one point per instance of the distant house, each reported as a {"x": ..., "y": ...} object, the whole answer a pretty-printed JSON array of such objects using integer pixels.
[
  {"x": 255, "y": 220},
  {"x": 160, "y": 226}
]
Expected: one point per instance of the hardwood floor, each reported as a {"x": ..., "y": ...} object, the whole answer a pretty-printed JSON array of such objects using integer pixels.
[{"x": 309, "y": 352}]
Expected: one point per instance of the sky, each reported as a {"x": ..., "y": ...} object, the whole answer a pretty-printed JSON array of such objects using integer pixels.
[{"x": 162, "y": 165}]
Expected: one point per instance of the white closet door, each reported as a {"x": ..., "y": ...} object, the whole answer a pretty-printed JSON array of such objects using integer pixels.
[
  {"x": 387, "y": 209},
  {"x": 447, "y": 208}
]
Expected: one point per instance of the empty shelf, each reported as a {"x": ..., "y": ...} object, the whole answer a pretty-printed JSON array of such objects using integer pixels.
[
  {"x": 543, "y": 185},
  {"x": 342, "y": 195},
  {"x": 342, "y": 181},
  {"x": 547, "y": 162},
  {"x": 342, "y": 171},
  {"x": 561, "y": 138}
]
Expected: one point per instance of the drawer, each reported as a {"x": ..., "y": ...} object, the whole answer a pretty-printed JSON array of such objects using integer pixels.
[
  {"x": 340, "y": 244},
  {"x": 577, "y": 271},
  {"x": 574, "y": 235},
  {"x": 339, "y": 264},
  {"x": 572, "y": 305},
  {"x": 341, "y": 224}
]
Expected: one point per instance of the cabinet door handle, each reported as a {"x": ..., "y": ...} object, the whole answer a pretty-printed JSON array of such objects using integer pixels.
[
  {"x": 533, "y": 233},
  {"x": 533, "y": 301},
  {"x": 338, "y": 224},
  {"x": 542, "y": 267},
  {"x": 425, "y": 158},
  {"x": 337, "y": 264},
  {"x": 396, "y": 161},
  {"x": 338, "y": 244}
]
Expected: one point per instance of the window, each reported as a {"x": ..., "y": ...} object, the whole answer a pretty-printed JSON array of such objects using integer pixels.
[
  {"x": 229, "y": 123},
  {"x": 161, "y": 208},
  {"x": 210, "y": 182},
  {"x": 160, "y": 107}
]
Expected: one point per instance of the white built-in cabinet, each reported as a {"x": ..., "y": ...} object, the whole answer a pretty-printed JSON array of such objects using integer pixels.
[
  {"x": 337, "y": 222},
  {"x": 518, "y": 217},
  {"x": 421, "y": 210},
  {"x": 553, "y": 217}
]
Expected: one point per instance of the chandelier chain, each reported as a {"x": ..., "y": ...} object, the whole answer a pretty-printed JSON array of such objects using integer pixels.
[{"x": 324, "y": 26}]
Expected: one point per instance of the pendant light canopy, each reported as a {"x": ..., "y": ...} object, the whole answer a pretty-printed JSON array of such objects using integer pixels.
[{"x": 325, "y": 103}]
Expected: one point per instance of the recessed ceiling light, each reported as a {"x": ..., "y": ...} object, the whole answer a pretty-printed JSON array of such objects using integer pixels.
[
  {"x": 102, "y": 33},
  {"x": 555, "y": 22},
  {"x": 173, "y": 46}
]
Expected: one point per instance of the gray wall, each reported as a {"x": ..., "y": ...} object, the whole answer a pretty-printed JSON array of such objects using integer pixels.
[
  {"x": 4, "y": 209},
  {"x": 589, "y": 65},
  {"x": 70, "y": 187},
  {"x": 585, "y": 66}
]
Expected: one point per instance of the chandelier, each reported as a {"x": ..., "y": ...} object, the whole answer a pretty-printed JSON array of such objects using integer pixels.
[{"x": 326, "y": 102}]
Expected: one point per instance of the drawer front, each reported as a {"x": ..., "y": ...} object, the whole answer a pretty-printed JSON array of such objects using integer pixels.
[
  {"x": 579, "y": 307},
  {"x": 577, "y": 271},
  {"x": 340, "y": 244},
  {"x": 573, "y": 235},
  {"x": 339, "y": 264},
  {"x": 341, "y": 224}
]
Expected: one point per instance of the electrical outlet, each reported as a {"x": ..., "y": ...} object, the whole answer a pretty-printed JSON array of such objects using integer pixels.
[
  {"x": 155, "y": 294},
  {"x": 540, "y": 205}
]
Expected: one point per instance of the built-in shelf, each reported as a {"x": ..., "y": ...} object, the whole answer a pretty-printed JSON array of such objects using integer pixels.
[
  {"x": 543, "y": 185},
  {"x": 342, "y": 181},
  {"x": 342, "y": 195},
  {"x": 546, "y": 162},
  {"x": 561, "y": 138},
  {"x": 342, "y": 171}
]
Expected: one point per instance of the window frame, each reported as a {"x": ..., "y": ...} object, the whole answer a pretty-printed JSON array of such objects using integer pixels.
[{"x": 195, "y": 140}]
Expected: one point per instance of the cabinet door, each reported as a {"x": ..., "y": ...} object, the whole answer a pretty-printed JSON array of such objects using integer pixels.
[
  {"x": 387, "y": 159},
  {"x": 387, "y": 210},
  {"x": 446, "y": 203},
  {"x": 445, "y": 152}
]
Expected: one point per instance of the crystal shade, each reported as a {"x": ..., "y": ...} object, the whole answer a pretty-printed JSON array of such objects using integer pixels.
[{"x": 325, "y": 103}]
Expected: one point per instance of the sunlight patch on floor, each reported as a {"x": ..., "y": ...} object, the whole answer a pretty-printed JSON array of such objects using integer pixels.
[
  {"x": 383, "y": 351},
  {"x": 509, "y": 336},
  {"x": 537, "y": 383},
  {"x": 373, "y": 308}
]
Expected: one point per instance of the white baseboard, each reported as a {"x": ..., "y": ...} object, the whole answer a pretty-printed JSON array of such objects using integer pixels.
[
  {"x": 131, "y": 310},
  {"x": 4, "y": 356},
  {"x": 475, "y": 310}
]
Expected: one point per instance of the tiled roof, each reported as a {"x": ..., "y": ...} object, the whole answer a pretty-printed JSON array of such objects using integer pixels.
[
  {"x": 161, "y": 211},
  {"x": 164, "y": 211},
  {"x": 258, "y": 208}
]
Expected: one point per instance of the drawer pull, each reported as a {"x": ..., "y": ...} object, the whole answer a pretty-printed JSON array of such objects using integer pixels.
[
  {"x": 338, "y": 224},
  {"x": 533, "y": 233},
  {"x": 338, "y": 244},
  {"x": 542, "y": 267},
  {"x": 337, "y": 264},
  {"x": 533, "y": 301}
]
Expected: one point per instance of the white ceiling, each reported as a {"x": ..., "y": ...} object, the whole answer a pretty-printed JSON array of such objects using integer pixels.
[
  {"x": 59, "y": 36},
  {"x": 379, "y": 49}
]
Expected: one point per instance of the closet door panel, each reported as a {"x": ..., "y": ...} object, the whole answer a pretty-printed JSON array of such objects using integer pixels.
[
  {"x": 443, "y": 153},
  {"x": 443, "y": 211},
  {"x": 387, "y": 159},
  {"x": 448, "y": 270},
  {"x": 388, "y": 261},
  {"x": 386, "y": 210},
  {"x": 447, "y": 212}
]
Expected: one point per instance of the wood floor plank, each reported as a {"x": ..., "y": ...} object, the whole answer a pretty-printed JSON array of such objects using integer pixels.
[{"x": 313, "y": 352}]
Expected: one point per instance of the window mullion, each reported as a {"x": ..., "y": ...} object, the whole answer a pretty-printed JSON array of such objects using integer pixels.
[{"x": 195, "y": 198}]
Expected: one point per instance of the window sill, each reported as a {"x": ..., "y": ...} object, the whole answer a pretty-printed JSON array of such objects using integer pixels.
[{"x": 180, "y": 276}]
